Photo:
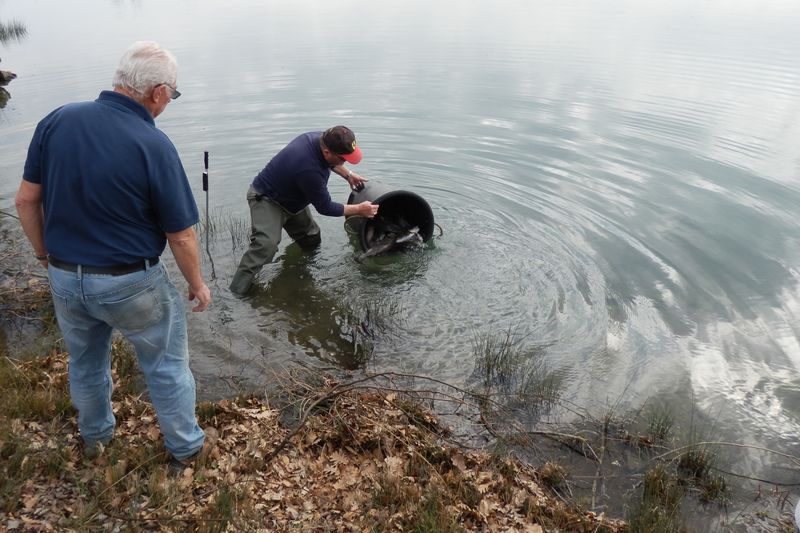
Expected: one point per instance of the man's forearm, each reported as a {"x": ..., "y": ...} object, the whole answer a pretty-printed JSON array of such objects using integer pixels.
[
  {"x": 341, "y": 170},
  {"x": 32, "y": 221},
  {"x": 352, "y": 209},
  {"x": 184, "y": 248},
  {"x": 364, "y": 209},
  {"x": 29, "y": 207}
]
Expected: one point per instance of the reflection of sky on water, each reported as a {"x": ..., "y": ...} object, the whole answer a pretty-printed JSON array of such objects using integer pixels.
[
  {"x": 621, "y": 178},
  {"x": 696, "y": 61}
]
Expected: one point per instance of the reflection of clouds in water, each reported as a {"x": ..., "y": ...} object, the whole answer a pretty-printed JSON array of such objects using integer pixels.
[
  {"x": 742, "y": 392},
  {"x": 667, "y": 296},
  {"x": 749, "y": 368},
  {"x": 735, "y": 370},
  {"x": 787, "y": 330},
  {"x": 690, "y": 87},
  {"x": 496, "y": 123},
  {"x": 701, "y": 183},
  {"x": 625, "y": 169},
  {"x": 641, "y": 357}
]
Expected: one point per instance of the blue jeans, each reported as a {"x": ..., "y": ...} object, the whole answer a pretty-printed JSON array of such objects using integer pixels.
[{"x": 148, "y": 310}]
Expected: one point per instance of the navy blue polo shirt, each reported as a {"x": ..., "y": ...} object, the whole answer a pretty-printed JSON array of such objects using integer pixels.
[
  {"x": 298, "y": 176},
  {"x": 112, "y": 183}
]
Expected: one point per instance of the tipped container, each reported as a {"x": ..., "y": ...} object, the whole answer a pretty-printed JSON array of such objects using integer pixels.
[{"x": 397, "y": 207}]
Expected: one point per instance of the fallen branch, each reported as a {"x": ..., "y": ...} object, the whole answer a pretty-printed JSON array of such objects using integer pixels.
[{"x": 792, "y": 458}]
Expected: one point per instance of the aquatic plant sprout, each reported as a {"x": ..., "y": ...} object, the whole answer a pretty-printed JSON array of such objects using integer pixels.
[{"x": 12, "y": 31}]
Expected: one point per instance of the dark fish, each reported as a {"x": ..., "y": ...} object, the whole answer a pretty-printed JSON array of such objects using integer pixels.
[
  {"x": 411, "y": 236},
  {"x": 389, "y": 241},
  {"x": 381, "y": 245}
]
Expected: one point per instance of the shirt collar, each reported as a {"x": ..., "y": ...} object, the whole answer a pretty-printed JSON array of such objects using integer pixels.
[
  {"x": 317, "y": 140},
  {"x": 120, "y": 100}
]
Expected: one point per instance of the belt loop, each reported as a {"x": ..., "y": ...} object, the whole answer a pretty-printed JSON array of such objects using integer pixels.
[
  {"x": 79, "y": 270},
  {"x": 146, "y": 265}
]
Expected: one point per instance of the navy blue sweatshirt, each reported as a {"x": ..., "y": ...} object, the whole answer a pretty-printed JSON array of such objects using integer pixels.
[{"x": 298, "y": 176}]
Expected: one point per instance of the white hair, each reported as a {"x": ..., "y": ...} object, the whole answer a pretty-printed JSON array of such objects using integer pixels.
[{"x": 143, "y": 66}]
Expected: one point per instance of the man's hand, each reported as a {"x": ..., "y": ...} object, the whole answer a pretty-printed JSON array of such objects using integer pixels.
[
  {"x": 203, "y": 296},
  {"x": 367, "y": 209},
  {"x": 364, "y": 209},
  {"x": 355, "y": 181},
  {"x": 184, "y": 249}
]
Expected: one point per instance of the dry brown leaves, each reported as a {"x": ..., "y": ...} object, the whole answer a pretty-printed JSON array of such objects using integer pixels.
[
  {"x": 364, "y": 462},
  {"x": 22, "y": 294}
]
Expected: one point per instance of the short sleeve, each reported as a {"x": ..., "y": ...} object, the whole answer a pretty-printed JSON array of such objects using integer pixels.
[
  {"x": 33, "y": 163},
  {"x": 171, "y": 195}
]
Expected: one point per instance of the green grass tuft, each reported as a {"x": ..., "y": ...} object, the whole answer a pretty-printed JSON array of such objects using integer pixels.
[
  {"x": 657, "y": 511},
  {"x": 660, "y": 422}
]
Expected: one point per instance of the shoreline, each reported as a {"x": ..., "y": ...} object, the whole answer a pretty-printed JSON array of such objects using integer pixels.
[
  {"x": 357, "y": 459},
  {"x": 322, "y": 454}
]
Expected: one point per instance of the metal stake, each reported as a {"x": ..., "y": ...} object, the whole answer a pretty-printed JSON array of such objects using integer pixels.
[{"x": 208, "y": 223}]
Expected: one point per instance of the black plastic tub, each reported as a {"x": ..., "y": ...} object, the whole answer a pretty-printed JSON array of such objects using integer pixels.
[{"x": 397, "y": 207}]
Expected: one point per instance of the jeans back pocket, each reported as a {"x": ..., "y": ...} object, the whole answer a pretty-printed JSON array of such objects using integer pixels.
[{"x": 134, "y": 312}]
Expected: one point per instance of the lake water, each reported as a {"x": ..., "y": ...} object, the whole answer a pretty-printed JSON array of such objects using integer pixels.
[{"x": 616, "y": 181}]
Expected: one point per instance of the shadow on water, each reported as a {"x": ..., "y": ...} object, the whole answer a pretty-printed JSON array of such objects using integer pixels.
[
  {"x": 340, "y": 324},
  {"x": 323, "y": 325},
  {"x": 335, "y": 312}
]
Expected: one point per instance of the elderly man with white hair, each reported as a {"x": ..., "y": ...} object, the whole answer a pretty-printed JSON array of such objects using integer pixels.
[{"x": 103, "y": 191}]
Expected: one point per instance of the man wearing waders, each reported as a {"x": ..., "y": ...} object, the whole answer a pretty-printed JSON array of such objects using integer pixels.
[{"x": 280, "y": 195}]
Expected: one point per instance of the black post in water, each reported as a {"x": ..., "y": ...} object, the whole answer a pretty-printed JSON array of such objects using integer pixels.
[{"x": 205, "y": 189}]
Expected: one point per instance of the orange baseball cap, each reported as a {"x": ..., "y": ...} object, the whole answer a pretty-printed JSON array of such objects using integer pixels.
[{"x": 342, "y": 141}]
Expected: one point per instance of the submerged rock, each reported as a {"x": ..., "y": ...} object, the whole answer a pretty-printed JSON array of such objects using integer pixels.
[{"x": 6, "y": 76}]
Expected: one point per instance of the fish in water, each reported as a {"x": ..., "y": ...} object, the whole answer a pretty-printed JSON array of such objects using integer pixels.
[
  {"x": 410, "y": 236},
  {"x": 389, "y": 240}
]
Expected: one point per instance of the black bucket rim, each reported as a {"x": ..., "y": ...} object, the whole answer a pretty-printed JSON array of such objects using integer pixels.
[{"x": 426, "y": 233}]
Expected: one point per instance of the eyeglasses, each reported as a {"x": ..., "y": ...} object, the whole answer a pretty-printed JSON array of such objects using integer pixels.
[{"x": 175, "y": 92}]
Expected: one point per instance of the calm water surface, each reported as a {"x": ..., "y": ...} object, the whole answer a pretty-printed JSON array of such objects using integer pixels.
[{"x": 617, "y": 180}]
